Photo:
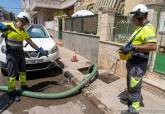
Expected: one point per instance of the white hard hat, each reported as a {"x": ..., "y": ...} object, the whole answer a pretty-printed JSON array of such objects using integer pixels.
[
  {"x": 139, "y": 9},
  {"x": 25, "y": 16}
]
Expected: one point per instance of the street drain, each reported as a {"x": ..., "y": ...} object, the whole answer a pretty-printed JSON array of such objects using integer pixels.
[
  {"x": 108, "y": 77},
  {"x": 84, "y": 70}
]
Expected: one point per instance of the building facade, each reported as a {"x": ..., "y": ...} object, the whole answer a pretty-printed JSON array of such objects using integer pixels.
[
  {"x": 45, "y": 10},
  {"x": 96, "y": 5},
  {"x": 84, "y": 5},
  {"x": 129, "y": 4}
]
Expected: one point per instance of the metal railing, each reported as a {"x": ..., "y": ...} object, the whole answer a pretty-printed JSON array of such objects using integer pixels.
[
  {"x": 87, "y": 24},
  {"x": 122, "y": 30}
]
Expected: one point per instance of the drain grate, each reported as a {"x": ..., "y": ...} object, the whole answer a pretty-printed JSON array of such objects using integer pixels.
[{"x": 108, "y": 77}]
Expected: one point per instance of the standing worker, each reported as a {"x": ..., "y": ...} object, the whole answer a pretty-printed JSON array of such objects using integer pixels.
[
  {"x": 136, "y": 53},
  {"x": 15, "y": 34}
]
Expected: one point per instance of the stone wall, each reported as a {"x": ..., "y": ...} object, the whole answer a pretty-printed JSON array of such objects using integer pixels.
[
  {"x": 108, "y": 57},
  {"x": 85, "y": 45},
  {"x": 109, "y": 60},
  {"x": 45, "y": 15}
]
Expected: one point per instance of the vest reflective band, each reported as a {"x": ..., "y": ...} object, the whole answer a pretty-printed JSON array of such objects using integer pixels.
[
  {"x": 146, "y": 35},
  {"x": 13, "y": 43},
  {"x": 17, "y": 33},
  {"x": 11, "y": 83},
  {"x": 22, "y": 78}
]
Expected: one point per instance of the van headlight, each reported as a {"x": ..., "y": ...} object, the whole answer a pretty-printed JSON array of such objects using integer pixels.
[
  {"x": 3, "y": 49},
  {"x": 54, "y": 49}
]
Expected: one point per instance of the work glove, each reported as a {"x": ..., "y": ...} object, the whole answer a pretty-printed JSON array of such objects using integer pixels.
[
  {"x": 128, "y": 48},
  {"x": 40, "y": 50},
  {"x": 3, "y": 27}
]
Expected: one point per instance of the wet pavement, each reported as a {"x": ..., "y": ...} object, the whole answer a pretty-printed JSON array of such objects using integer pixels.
[{"x": 49, "y": 81}]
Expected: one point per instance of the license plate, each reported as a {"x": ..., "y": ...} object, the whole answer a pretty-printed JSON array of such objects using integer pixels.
[{"x": 34, "y": 61}]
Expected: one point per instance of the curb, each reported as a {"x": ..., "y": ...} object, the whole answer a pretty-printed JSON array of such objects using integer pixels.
[{"x": 104, "y": 109}]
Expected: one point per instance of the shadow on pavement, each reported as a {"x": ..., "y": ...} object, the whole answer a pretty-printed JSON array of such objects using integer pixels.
[
  {"x": 5, "y": 102},
  {"x": 61, "y": 64},
  {"x": 43, "y": 86},
  {"x": 44, "y": 74},
  {"x": 123, "y": 97}
]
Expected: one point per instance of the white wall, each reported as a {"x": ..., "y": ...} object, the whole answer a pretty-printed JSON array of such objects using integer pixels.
[
  {"x": 162, "y": 22},
  {"x": 50, "y": 25},
  {"x": 45, "y": 15}
]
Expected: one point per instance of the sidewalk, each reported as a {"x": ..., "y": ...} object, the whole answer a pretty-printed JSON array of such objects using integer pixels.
[
  {"x": 104, "y": 95},
  {"x": 66, "y": 56}
]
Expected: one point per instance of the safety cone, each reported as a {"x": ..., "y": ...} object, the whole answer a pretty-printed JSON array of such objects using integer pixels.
[{"x": 74, "y": 58}]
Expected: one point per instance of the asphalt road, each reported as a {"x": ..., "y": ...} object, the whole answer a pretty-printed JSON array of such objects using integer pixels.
[{"x": 49, "y": 81}]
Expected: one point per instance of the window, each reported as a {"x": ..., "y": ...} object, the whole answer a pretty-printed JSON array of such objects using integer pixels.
[{"x": 37, "y": 32}]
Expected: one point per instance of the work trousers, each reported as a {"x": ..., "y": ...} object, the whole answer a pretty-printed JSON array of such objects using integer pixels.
[
  {"x": 16, "y": 66},
  {"x": 135, "y": 73}
]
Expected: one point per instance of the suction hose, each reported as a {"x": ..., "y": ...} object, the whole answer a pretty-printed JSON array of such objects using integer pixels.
[{"x": 92, "y": 72}]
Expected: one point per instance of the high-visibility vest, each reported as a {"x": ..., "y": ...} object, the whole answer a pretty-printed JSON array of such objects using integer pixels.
[
  {"x": 15, "y": 38},
  {"x": 146, "y": 35}
]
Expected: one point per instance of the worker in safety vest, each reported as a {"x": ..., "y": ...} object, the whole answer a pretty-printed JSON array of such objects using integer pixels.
[
  {"x": 136, "y": 53},
  {"x": 15, "y": 34}
]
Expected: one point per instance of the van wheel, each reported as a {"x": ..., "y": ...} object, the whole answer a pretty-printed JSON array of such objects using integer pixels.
[{"x": 4, "y": 72}]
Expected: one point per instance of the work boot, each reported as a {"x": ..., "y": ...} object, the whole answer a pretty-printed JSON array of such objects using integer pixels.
[
  {"x": 25, "y": 87},
  {"x": 125, "y": 101},
  {"x": 123, "y": 96},
  {"x": 14, "y": 96},
  {"x": 128, "y": 112}
]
